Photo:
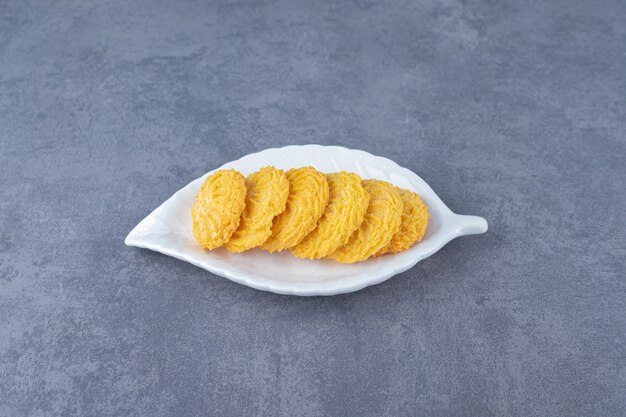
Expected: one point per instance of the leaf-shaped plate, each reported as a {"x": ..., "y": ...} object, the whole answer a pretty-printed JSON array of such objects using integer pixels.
[{"x": 168, "y": 229}]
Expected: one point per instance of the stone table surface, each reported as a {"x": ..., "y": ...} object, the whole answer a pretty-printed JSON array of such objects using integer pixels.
[{"x": 513, "y": 110}]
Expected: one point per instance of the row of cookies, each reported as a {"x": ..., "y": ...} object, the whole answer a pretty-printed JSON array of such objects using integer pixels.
[{"x": 312, "y": 214}]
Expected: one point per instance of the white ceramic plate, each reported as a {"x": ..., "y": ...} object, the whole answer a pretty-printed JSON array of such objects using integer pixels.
[{"x": 168, "y": 229}]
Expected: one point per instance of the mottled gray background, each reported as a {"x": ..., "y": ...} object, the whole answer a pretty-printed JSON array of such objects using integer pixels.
[{"x": 512, "y": 110}]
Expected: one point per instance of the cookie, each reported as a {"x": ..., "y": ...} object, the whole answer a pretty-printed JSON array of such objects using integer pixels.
[
  {"x": 382, "y": 221},
  {"x": 266, "y": 197},
  {"x": 217, "y": 208},
  {"x": 308, "y": 196},
  {"x": 344, "y": 213},
  {"x": 413, "y": 225}
]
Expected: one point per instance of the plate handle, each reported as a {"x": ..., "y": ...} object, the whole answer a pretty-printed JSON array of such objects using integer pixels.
[{"x": 469, "y": 225}]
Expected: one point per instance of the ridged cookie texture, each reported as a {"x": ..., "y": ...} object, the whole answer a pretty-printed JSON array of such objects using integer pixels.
[
  {"x": 382, "y": 221},
  {"x": 308, "y": 196},
  {"x": 266, "y": 197},
  {"x": 344, "y": 213},
  {"x": 217, "y": 208},
  {"x": 413, "y": 225}
]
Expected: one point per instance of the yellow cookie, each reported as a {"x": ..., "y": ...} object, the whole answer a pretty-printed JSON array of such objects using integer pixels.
[
  {"x": 343, "y": 215},
  {"x": 266, "y": 198},
  {"x": 218, "y": 206},
  {"x": 413, "y": 225},
  {"x": 382, "y": 220},
  {"x": 308, "y": 196}
]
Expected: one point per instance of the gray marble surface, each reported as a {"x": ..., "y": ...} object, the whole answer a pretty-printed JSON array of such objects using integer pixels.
[{"x": 514, "y": 110}]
